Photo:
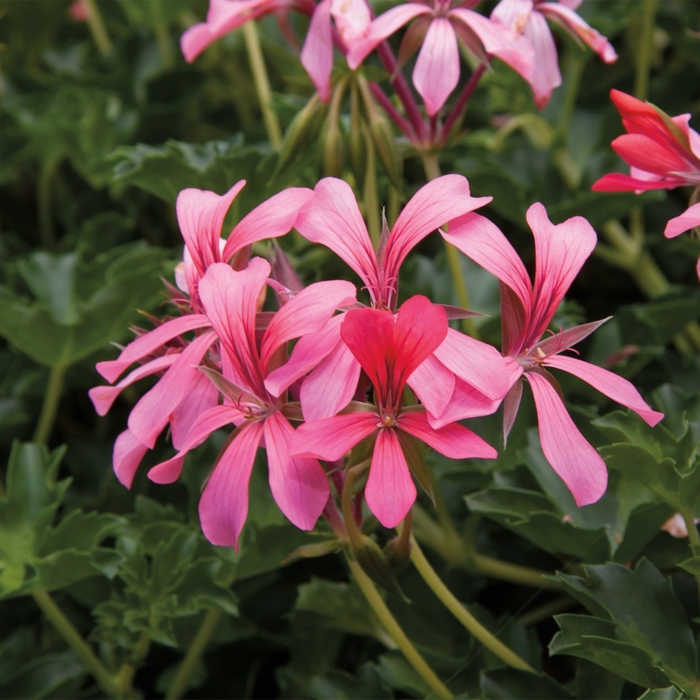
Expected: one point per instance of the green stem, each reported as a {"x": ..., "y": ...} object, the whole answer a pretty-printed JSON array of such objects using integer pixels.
[
  {"x": 576, "y": 65},
  {"x": 547, "y": 610},
  {"x": 125, "y": 677},
  {"x": 431, "y": 165},
  {"x": 165, "y": 45},
  {"x": 43, "y": 201},
  {"x": 262, "y": 84},
  {"x": 693, "y": 538},
  {"x": 75, "y": 641},
  {"x": 397, "y": 634},
  {"x": 97, "y": 28},
  {"x": 371, "y": 198},
  {"x": 52, "y": 397},
  {"x": 462, "y": 614},
  {"x": 194, "y": 654},
  {"x": 644, "y": 49}
]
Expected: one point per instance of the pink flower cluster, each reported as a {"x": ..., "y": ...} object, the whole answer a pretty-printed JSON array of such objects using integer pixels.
[{"x": 346, "y": 373}]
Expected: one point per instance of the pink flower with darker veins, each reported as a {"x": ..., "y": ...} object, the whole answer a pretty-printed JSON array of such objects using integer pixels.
[
  {"x": 526, "y": 313},
  {"x": 529, "y": 17},
  {"x": 389, "y": 348},
  {"x": 438, "y": 25}
]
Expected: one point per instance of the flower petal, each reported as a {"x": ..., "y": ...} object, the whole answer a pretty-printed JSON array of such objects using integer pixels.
[
  {"x": 581, "y": 468},
  {"x": 127, "y": 455},
  {"x": 617, "y": 182},
  {"x": 608, "y": 383},
  {"x": 465, "y": 402},
  {"x": 680, "y": 224},
  {"x": 433, "y": 384},
  {"x": 513, "y": 14},
  {"x": 201, "y": 396},
  {"x": 317, "y": 52},
  {"x": 298, "y": 484},
  {"x": 546, "y": 76},
  {"x": 331, "y": 438},
  {"x": 390, "y": 491},
  {"x": 643, "y": 152},
  {"x": 223, "y": 507}
]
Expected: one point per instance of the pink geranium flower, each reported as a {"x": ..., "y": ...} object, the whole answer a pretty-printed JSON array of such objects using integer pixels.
[
  {"x": 438, "y": 25},
  {"x": 182, "y": 392},
  {"x": 663, "y": 152},
  {"x": 529, "y": 17},
  {"x": 526, "y": 314},
  {"x": 390, "y": 349},
  {"x": 298, "y": 484},
  {"x": 469, "y": 374}
]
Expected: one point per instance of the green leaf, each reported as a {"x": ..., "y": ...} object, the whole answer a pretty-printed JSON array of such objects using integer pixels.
[
  {"x": 670, "y": 693},
  {"x": 365, "y": 683},
  {"x": 152, "y": 13},
  {"x": 44, "y": 677},
  {"x": 511, "y": 684}
]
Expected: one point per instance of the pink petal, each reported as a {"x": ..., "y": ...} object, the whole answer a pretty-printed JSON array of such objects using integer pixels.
[
  {"x": 307, "y": 312},
  {"x": 149, "y": 343},
  {"x": 202, "y": 395},
  {"x": 331, "y": 438},
  {"x": 390, "y": 491},
  {"x": 436, "y": 72},
  {"x": 352, "y": 18},
  {"x": 477, "y": 363},
  {"x": 560, "y": 253},
  {"x": 334, "y": 220},
  {"x": 223, "y": 507},
  {"x": 513, "y": 14},
  {"x": 330, "y": 387},
  {"x": 484, "y": 243},
  {"x": 569, "y": 337},
  {"x": 608, "y": 383},
  {"x": 513, "y": 49},
  {"x": 511, "y": 404},
  {"x": 382, "y": 27},
  {"x": 453, "y": 440},
  {"x": 298, "y": 484},
  {"x": 152, "y": 412},
  {"x": 617, "y": 182},
  {"x": 273, "y": 218},
  {"x": 572, "y": 457},
  {"x": 436, "y": 203},
  {"x": 546, "y": 76},
  {"x": 433, "y": 384},
  {"x": 680, "y": 224},
  {"x": 317, "y": 52},
  {"x": 128, "y": 453},
  {"x": 647, "y": 154},
  {"x": 195, "y": 40},
  {"x": 201, "y": 215},
  {"x": 309, "y": 352},
  {"x": 465, "y": 402},
  {"x": 103, "y": 397}
]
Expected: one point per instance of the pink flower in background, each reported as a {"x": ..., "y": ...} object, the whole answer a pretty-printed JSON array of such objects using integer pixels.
[
  {"x": 390, "y": 349},
  {"x": 527, "y": 312},
  {"x": 529, "y": 17},
  {"x": 79, "y": 11},
  {"x": 663, "y": 152},
  {"x": 334, "y": 219},
  {"x": 299, "y": 485},
  {"x": 438, "y": 25}
]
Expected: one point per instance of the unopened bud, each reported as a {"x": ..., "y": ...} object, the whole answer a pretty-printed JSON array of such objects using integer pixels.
[
  {"x": 385, "y": 145},
  {"x": 370, "y": 557},
  {"x": 357, "y": 140},
  {"x": 301, "y": 131},
  {"x": 332, "y": 141},
  {"x": 398, "y": 553}
]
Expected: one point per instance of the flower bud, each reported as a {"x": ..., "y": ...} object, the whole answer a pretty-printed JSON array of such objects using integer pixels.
[
  {"x": 332, "y": 141},
  {"x": 357, "y": 140},
  {"x": 370, "y": 557},
  {"x": 301, "y": 131}
]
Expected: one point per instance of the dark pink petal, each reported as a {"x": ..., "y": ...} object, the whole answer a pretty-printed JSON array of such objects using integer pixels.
[
  {"x": 317, "y": 53},
  {"x": 128, "y": 453},
  {"x": 510, "y": 47},
  {"x": 572, "y": 457},
  {"x": 465, "y": 402},
  {"x": 202, "y": 395},
  {"x": 617, "y": 182},
  {"x": 309, "y": 352},
  {"x": 645, "y": 153},
  {"x": 453, "y": 440},
  {"x": 273, "y": 218},
  {"x": 382, "y": 27},
  {"x": 201, "y": 215},
  {"x": 546, "y": 76},
  {"x": 390, "y": 491},
  {"x": 436, "y": 72},
  {"x": 436, "y": 203},
  {"x": 569, "y": 337},
  {"x": 331, "y": 438},
  {"x": 298, "y": 484},
  {"x": 680, "y": 224},
  {"x": 149, "y": 343},
  {"x": 477, "y": 363},
  {"x": 511, "y": 404},
  {"x": 484, "y": 243},
  {"x": 152, "y": 412},
  {"x": 223, "y": 507},
  {"x": 307, "y": 312},
  {"x": 103, "y": 397},
  {"x": 608, "y": 383},
  {"x": 433, "y": 384},
  {"x": 331, "y": 386},
  {"x": 560, "y": 253},
  {"x": 230, "y": 300},
  {"x": 334, "y": 220}
]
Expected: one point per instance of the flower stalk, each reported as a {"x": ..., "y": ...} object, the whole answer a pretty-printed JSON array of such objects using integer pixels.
[{"x": 52, "y": 397}]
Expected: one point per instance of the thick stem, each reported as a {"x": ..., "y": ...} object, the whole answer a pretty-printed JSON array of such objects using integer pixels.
[
  {"x": 194, "y": 654},
  {"x": 97, "y": 28},
  {"x": 262, "y": 84},
  {"x": 52, "y": 397},
  {"x": 391, "y": 111},
  {"x": 644, "y": 49},
  {"x": 75, "y": 641},
  {"x": 431, "y": 165},
  {"x": 125, "y": 677},
  {"x": 458, "y": 111},
  {"x": 573, "y": 82},
  {"x": 396, "y": 633},
  {"x": 43, "y": 201},
  {"x": 462, "y": 614}
]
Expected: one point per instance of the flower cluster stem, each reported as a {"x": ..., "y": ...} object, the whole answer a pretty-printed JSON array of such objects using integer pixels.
[
  {"x": 693, "y": 538},
  {"x": 97, "y": 28},
  {"x": 396, "y": 633},
  {"x": 43, "y": 198},
  {"x": 262, "y": 84},
  {"x": 644, "y": 49},
  {"x": 462, "y": 614},
  {"x": 52, "y": 397},
  {"x": 194, "y": 653}
]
